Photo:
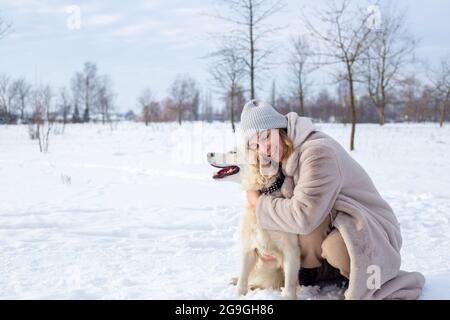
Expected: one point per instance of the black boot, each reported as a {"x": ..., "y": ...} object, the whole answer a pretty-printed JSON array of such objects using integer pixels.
[
  {"x": 329, "y": 275},
  {"x": 322, "y": 276},
  {"x": 307, "y": 276}
]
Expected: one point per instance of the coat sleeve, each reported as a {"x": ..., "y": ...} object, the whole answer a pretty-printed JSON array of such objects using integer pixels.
[{"x": 313, "y": 198}]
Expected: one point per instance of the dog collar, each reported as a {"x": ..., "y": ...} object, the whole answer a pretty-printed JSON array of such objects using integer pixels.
[{"x": 275, "y": 186}]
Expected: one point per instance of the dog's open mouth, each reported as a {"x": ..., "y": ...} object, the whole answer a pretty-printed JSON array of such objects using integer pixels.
[{"x": 225, "y": 171}]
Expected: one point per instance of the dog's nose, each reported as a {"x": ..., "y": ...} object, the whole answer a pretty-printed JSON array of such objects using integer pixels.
[{"x": 211, "y": 154}]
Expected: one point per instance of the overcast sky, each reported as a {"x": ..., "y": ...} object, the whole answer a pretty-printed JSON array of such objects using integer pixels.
[{"x": 147, "y": 43}]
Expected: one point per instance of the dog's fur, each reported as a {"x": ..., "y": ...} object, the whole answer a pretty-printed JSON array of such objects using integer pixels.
[{"x": 282, "y": 269}]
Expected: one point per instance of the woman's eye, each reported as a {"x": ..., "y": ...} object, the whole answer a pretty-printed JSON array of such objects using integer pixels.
[{"x": 264, "y": 138}]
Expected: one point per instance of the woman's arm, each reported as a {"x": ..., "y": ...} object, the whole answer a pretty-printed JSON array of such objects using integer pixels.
[{"x": 314, "y": 195}]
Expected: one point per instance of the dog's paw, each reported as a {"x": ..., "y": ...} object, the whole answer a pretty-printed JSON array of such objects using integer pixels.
[
  {"x": 242, "y": 288},
  {"x": 289, "y": 294},
  {"x": 242, "y": 291},
  {"x": 234, "y": 281}
]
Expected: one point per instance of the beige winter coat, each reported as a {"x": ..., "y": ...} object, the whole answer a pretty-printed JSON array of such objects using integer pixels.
[{"x": 322, "y": 179}]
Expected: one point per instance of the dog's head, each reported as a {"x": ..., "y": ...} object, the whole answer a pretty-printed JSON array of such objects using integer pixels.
[
  {"x": 228, "y": 165},
  {"x": 236, "y": 166}
]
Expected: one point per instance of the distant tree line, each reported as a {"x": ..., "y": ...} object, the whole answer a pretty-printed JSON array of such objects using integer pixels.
[
  {"x": 89, "y": 97},
  {"x": 411, "y": 101},
  {"x": 367, "y": 52}
]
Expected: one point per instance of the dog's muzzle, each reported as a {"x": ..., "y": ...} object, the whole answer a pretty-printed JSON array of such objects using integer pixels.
[{"x": 225, "y": 171}]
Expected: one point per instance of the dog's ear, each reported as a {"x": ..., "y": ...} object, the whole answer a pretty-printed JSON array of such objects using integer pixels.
[
  {"x": 247, "y": 157},
  {"x": 240, "y": 156},
  {"x": 230, "y": 158}
]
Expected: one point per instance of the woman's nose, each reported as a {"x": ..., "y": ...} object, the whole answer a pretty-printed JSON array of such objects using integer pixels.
[
  {"x": 268, "y": 148},
  {"x": 263, "y": 152}
]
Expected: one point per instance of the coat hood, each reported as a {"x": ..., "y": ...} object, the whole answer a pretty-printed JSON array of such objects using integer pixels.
[{"x": 299, "y": 128}]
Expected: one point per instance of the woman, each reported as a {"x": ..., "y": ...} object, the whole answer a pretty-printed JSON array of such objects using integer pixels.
[{"x": 324, "y": 182}]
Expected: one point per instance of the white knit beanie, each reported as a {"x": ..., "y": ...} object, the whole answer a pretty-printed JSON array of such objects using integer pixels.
[{"x": 259, "y": 116}]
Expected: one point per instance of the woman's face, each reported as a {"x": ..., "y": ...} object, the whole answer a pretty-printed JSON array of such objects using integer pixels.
[{"x": 268, "y": 145}]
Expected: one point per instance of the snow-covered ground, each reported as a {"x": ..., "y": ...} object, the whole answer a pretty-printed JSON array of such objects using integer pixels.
[{"x": 133, "y": 213}]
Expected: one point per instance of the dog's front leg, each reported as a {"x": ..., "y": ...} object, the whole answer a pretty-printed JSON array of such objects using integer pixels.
[
  {"x": 291, "y": 265},
  {"x": 248, "y": 262}
]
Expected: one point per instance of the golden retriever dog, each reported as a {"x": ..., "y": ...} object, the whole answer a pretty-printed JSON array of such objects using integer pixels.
[{"x": 269, "y": 259}]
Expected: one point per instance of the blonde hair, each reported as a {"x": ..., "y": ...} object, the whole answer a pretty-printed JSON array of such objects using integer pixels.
[{"x": 287, "y": 144}]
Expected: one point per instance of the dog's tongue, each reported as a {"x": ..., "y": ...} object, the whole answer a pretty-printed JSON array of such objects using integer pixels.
[{"x": 224, "y": 172}]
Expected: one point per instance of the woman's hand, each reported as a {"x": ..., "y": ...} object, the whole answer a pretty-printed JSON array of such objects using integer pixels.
[{"x": 252, "y": 197}]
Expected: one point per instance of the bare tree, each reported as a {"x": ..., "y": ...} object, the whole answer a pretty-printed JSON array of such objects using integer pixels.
[
  {"x": 195, "y": 105},
  {"x": 4, "y": 88},
  {"x": 145, "y": 100},
  {"x": 250, "y": 21},
  {"x": 301, "y": 66},
  {"x": 408, "y": 96},
  {"x": 238, "y": 101},
  {"x": 5, "y": 28},
  {"x": 441, "y": 82},
  {"x": 23, "y": 90},
  {"x": 76, "y": 102},
  {"x": 183, "y": 92},
  {"x": 65, "y": 105},
  {"x": 346, "y": 39},
  {"x": 8, "y": 94},
  {"x": 76, "y": 113},
  {"x": 150, "y": 107},
  {"x": 169, "y": 110},
  {"x": 343, "y": 97},
  {"x": 43, "y": 116},
  {"x": 85, "y": 89},
  {"x": 206, "y": 106},
  {"x": 391, "y": 46},
  {"x": 228, "y": 71},
  {"x": 105, "y": 98}
]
